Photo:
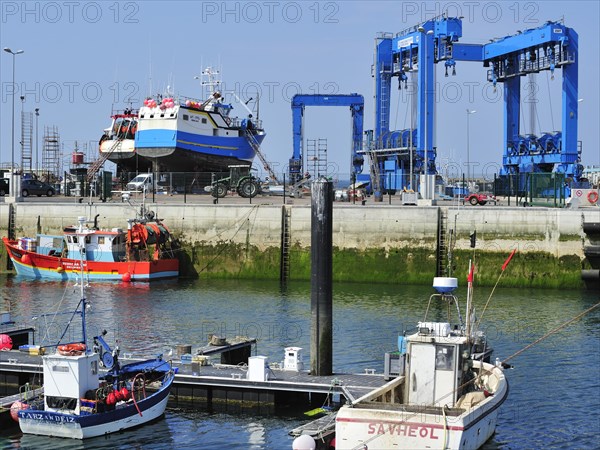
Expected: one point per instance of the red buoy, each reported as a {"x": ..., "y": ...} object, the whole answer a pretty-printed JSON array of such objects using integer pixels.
[
  {"x": 125, "y": 393},
  {"x": 126, "y": 277},
  {"x": 26, "y": 259},
  {"x": 5, "y": 342},
  {"x": 111, "y": 399},
  {"x": 15, "y": 408}
]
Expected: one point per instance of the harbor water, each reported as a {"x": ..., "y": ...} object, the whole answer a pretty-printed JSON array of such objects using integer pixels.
[{"x": 554, "y": 399}]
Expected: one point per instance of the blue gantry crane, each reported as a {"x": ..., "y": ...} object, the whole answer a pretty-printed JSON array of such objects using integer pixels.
[
  {"x": 355, "y": 102},
  {"x": 398, "y": 154},
  {"x": 549, "y": 47}
]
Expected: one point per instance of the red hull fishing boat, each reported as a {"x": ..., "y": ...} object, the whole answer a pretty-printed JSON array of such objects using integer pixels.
[{"x": 145, "y": 251}]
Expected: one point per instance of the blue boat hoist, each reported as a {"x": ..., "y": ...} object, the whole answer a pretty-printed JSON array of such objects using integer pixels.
[
  {"x": 548, "y": 47},
  {"x": 356, "y": 103}
]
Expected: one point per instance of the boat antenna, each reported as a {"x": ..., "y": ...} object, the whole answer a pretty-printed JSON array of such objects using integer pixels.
[{"x": 83, "y": 302}]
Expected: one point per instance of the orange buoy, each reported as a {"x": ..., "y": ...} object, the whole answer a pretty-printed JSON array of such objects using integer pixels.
[
  {"x": 126, "y": 277},
  {"x": 15, "y": 408},
  {"x": 26, "y": 259}
]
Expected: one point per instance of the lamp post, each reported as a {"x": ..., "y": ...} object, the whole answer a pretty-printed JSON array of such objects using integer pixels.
[
  {"x": 424, "y": 35},
  {"x": 37, "y": 138},
  {"x": 22, "y": 131},
  {"x": 12, "y": 159},
  {"x": 469, "y": 112}
]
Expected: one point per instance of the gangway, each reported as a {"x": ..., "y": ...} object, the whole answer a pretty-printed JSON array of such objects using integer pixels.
[
  {"x": 256, "y": 147},
  {"x": 96, "y": 165}
]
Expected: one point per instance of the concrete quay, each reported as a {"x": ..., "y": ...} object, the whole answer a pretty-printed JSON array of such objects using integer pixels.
[{"x": 386, "y": 225}]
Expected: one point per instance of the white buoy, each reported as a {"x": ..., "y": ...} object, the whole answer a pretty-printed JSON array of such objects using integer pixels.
[{"x": 304, "y": 442}]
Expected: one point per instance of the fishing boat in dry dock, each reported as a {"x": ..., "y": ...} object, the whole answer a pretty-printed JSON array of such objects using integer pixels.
[
  {"x": 145, "y": 251},
  {"x": 183, "y": 134},
  {"x": 80, "y": 402},
  {"x": 118, "y": 141},
  {"x": 446, "y": 394}
]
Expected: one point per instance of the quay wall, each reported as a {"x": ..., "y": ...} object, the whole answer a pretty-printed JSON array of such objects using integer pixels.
[{"x": 372, "y": 243}]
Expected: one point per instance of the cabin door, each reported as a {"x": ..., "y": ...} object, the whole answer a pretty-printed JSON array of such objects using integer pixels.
[{"x": 421, "y": 381}]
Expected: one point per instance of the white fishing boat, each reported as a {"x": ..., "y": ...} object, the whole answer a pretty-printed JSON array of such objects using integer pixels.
[
  {"x": 87, "y": 393},
  {"x": 445, "y": 397}
]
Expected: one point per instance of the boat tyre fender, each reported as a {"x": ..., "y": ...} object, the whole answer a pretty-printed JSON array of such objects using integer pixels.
[
  {"x": 71, "y": 349},
  {"x": 592, "y": 197}
]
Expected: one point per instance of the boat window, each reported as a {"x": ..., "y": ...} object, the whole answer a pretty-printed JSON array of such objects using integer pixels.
[
  {"x": 204, "y": 120},
  {"x": 100, "y": 240},
  {"x": 94, "y": 367},
  {"x": 88, "y": 239},
  {"x": 444, "y": 357},
  {"x": 186, "y": 117},
  {"x": 61, "y": 402}
]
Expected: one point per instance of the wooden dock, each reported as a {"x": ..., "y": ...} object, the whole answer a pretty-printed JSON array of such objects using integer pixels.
[{"x": 224, "y": 384}]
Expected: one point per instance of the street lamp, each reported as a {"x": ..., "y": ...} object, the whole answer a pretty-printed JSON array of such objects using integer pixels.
[
  {"x": 12, "y": 159},
  {"x": 424, "y": 34},
  {"x": 22, "y": 142},
  {"x": 469, "y": 112},
  {"x": 37, "y": 138}
]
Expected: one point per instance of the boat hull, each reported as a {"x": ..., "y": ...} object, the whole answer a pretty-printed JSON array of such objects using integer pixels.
[
  {"x": 178, "y": 151},
  {"x": 397, "y": 426},
  {"x": 57, "y": 268},
  {"x": 47, "y": 423}
]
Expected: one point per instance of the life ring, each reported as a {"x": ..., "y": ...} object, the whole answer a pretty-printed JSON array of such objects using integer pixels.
[
  {"x": 71, "y": 349},
  {"x": 592, "y": 197}
]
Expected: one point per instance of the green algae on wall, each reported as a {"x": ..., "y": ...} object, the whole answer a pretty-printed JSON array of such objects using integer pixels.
[
  {"x": 398, "y": 266},
  {"x": 531, "y": 269}
]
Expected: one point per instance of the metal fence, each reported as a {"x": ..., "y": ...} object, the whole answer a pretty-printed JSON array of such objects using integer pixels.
[{"x": 540, "y": 189}]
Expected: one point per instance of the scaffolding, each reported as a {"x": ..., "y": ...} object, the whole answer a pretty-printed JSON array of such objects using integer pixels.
[
  {"x": 51, "y": 155},
  {"x": 316, "y": 154},
  {"x": 26, "y": 140}
]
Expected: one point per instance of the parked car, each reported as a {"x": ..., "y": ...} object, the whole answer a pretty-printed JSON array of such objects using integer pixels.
[
  {"x": 35, "y": 187},
  {"x": 3, "y": 187}
]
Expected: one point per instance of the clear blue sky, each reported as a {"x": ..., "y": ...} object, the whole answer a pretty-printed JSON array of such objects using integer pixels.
[{"x": 81, "y": 57}]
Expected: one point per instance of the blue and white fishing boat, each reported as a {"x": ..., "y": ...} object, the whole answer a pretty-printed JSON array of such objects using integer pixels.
[
  {"x": 87, "y": 393},
  {"x": 186, "y": 134}
]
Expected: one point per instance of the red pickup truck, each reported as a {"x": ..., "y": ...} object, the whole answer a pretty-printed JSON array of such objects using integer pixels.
[{"x": 480, "y": 199}]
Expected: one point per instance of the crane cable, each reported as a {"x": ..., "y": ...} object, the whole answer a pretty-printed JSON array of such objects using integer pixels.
[{"x": 553, "y": 331}]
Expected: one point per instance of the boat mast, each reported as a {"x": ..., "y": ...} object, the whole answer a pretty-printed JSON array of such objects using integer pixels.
[
  {"x": 81, "y": 243},
  {"x": 469, "y": 299}
]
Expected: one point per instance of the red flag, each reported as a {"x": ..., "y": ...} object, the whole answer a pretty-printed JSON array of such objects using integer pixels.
[
  {"x": 470, "y": 277},
  {"x": 508, "y": 259}
]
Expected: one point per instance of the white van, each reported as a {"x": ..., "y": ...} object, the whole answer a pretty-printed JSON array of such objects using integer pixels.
[{"x": 143, "y": 182}]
